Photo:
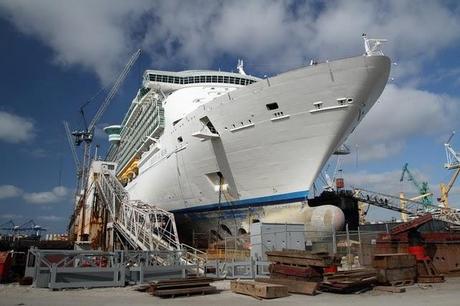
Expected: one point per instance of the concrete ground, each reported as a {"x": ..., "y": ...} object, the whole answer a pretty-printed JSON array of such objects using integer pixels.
[{"x": 446, "y": 294}]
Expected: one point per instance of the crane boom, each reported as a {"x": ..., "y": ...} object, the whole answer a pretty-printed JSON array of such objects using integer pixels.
[
  {"x": 71, "y": 145},
  {"x": 113, "y": 91},
  {"x": 422, "y": 188}
]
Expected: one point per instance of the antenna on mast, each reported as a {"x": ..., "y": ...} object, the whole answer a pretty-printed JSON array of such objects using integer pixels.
[{"x": 240, "y": 67}]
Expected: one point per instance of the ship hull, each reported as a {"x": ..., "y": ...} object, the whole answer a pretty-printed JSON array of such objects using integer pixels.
[{"x": 255, "y": 156}]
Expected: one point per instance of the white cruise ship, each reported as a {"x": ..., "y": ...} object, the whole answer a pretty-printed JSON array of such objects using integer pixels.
[{"x": 222, "y": 148}]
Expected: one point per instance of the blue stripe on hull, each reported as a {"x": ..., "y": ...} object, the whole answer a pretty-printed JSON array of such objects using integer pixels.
[{"x": 254, "y": 202}]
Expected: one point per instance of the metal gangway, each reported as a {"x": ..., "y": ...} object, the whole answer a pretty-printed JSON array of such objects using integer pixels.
[
  {"x": 412, "y": 208},
  {"x": 144, "y": 226}
]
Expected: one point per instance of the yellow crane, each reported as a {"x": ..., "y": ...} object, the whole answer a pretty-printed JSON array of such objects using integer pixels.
[{"x": 453, "y": 163}]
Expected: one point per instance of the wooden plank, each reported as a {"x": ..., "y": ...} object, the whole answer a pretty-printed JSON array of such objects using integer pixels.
[
  {"x": 300, "y": 272},
  {"x": 390, "y": 289},
  {"x": 259, "y": 289},
  {"x": 294, "y": 286},
  {"x": 300, "y": 258},
  {"x": 298, "y": 261},
  {"x": 182, "y": 291},
  {"x": 394, "y": 261},
  {"x": 179, "y": 285}
]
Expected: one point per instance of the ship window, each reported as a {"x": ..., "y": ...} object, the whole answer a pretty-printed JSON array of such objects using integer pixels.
[
  {"x": 232, "y": 80},
  {"x": 176, "y": 80},
  {"x": 220, "y": 79},
  {"x": 214, "y": 78},
  {"x": 225, "y": 79},
  {"x": 272, "y": 106},
  {"x": 202, "y": 79},
  {"x": 208, "y": 79},
  {"x": 180, "y": 139},
  {"x": 237, "y": 81},
  {"x": 197, "y": 79}
]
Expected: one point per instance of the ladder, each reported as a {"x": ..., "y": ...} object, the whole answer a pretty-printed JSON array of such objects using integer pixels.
[{"x": 142, "y": 225}]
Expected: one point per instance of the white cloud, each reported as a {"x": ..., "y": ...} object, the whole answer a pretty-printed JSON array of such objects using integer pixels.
[
  {"x": 271, "y": 35},
  {"x": 15, "y": 129},
  {"x": 9, "y": 191},
  {"x": 57, "y": 194},
  {"x": 95, "y": 34},
  {"x": 401, "y": 113}
]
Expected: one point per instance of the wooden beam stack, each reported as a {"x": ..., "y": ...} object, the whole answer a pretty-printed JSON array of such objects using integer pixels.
[
  {"x": 395, "y": 269},
  {"x": 349, "y": 281},
  {"x": 300, "y": 271},
  {"x": 182, "y": 286}
]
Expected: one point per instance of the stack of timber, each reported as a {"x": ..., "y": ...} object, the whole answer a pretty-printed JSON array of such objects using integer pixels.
[
  {"x": 353, "y": 281},
  {"x": 259, "y": 290},
  {"x": 300, "y": 271},
  {"x": 395, "y": 269},
  {"x": 182, "y": 286}
]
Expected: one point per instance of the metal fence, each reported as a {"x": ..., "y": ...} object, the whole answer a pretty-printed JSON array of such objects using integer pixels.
[
  {"x": 248, "y": 269},
  {"x": 57, "y": 269}
]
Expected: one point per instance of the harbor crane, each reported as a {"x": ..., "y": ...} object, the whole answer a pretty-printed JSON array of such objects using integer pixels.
[
  {"x": 30, "y": 228},
  {"x": 453, "y": 163},
  {"x": 85, "y": 136},
  {"x": 425, "y": 195}
]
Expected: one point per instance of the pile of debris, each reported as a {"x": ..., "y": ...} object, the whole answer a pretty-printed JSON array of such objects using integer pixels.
[
  {"x": 181, "y": 286},
  {"x": 300, "y": 271},
  {"x": 355, "y": 281}
]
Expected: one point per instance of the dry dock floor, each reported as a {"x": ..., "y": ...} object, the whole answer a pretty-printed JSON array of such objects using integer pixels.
[{"x": 447, "y": 293}]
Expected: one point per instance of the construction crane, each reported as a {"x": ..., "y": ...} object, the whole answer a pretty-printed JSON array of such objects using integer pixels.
[
  {"x": 74, "y": 153},
  {"x": 453, "y": 163},
  {"x": 85, "y": 136},
  {"x": 425, "y": 195}
]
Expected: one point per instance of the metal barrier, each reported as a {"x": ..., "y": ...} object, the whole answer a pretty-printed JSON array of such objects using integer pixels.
[
  {"x": 57, "y": 269},
  {"x": 249, "y": 269}
]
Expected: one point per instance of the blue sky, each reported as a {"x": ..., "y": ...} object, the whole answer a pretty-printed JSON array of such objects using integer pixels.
[{"x": 56, "y": 55}]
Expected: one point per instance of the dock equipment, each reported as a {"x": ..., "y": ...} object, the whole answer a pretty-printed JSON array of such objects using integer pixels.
[
  {"x": 142, "y": 225},
  {"x": 453, "y": 163},
  {"x": 412, "y": 208},
  {"x": 423, "y": 189}
]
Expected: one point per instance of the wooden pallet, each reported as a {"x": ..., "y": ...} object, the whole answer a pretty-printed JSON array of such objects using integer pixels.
[
  {"x": 259, "y": 290},
  {"x": 294, "y": 286},
  {"x": 430, "y": 278}
]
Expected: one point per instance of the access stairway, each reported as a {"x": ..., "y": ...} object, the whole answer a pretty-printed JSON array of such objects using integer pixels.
[{"x": 143, "y": 226}]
